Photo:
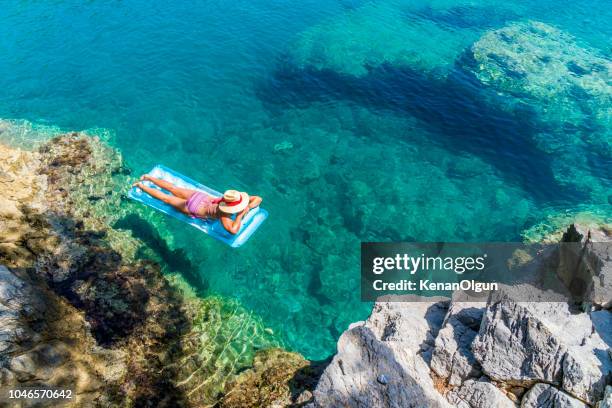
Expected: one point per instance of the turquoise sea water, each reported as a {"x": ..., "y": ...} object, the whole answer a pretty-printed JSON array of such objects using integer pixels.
[{"x": 355, "y": 120}]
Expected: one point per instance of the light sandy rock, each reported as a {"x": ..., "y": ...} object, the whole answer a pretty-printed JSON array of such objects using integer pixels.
[
  {"x": 585, "y": 370},
  {"x": 379, "y": 364},
  {"x": 452, "y": 357},
  {"x": 547, "y": 396},
  {"x": 479, "y": 394},
  {"x": 17, "y": 304},
  {"x": 20, "y": 189},
  {"x": 44, "y": 340},
  {"x": 516, "y": 347},
  {"x": 525, "y": 343},
  {"x": 393, "y": 321}
]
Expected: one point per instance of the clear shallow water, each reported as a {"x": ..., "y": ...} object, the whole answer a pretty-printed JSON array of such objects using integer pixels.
[{"x": 354, "y": 120}]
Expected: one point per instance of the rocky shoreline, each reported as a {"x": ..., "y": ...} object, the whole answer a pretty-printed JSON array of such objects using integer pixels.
[
  {"x": 80, "y": 310},
  {"x": 500, "y": 353}
]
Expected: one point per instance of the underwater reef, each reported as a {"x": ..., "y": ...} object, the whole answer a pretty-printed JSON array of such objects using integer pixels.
[
  {"x": 556, "y": 90},
  {"x": 80, "y": 309},
  {"x": 424, "y": 37},
  {"x": 568, "y": 86}
]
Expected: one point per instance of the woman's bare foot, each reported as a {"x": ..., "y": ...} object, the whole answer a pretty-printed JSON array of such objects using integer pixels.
[
  {"x": 137, "y": 184},
  {"x": 145, "y": 177}
]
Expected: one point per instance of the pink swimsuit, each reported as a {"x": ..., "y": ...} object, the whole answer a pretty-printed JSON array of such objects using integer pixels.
[{"x": 201, "y": 205}]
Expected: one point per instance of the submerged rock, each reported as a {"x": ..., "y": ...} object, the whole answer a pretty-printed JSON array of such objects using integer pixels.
[
  {"x": 278, "y": 378},
  {"x": 220, "y": 343},
  {"x": 567, "y": 86},
  {"x": 372, "y": 35},
  {"x": 538, "y": 61},
  {"x": 552, "y": 227}
]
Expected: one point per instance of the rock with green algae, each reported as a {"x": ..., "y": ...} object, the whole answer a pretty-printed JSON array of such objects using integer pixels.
[
  {"x": 86, "y": 177},
  {"x": 534, "y": 67},
  {"x": 221, "y": 342},
  {"x": 554, "y": 224},
  {"x": 538, "y": 61},
  {"x": 278, "y": 379},
  {"x": 175, "y": 349}
]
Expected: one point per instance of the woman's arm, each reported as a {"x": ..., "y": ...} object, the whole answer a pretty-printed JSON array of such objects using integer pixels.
[
  {"x": 233, "y": 226},
  {"x": 254, "y": 201}
]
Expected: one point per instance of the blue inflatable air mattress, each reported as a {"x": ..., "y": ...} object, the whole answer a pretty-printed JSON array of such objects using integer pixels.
[{"x": 250, "y": 222}]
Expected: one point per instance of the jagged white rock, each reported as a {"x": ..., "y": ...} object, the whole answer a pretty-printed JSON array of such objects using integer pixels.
[
  {"x": 452, "y": 356},
  {"x": 388, "y": 345},
  {"x": 547, "y": 396},
  {"x": 514, "y": 346},
  {"x": 479, "y": 394},
  {"x": 527, "y": 343}
]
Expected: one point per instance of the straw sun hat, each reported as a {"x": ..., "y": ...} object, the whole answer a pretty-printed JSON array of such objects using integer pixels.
[{"x": 233, "y": 201}]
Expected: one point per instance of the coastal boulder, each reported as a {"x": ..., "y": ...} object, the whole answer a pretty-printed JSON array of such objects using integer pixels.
[
  {"x": 523, "y": 344},
  {"x": 585, "y": 264},
  {"x": 379, "y": 362},
  {"x": 587, "y": 367},
  {"x": 45, "y": 340},
  {"x": 515, "y": 346},
  {"x": 479, "y": 394},
  {"x": 547, "y": 396},
  {"x": 452, "y": 357}
]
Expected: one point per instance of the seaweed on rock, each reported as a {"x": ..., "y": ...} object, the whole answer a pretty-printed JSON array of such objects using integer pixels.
[{"x": 567, "y": 85}]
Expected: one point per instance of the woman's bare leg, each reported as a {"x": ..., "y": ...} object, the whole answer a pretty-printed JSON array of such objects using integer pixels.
[
  {"x": 184, "y": 193},
  {"x": 176, "y": 202}
]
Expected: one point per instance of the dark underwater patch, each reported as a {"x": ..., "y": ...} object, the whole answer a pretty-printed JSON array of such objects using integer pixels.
[
  {"x": 177, "y": 260},
  {"x": 576, "y": 69},
  {"x": 452, "y": 108}
]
